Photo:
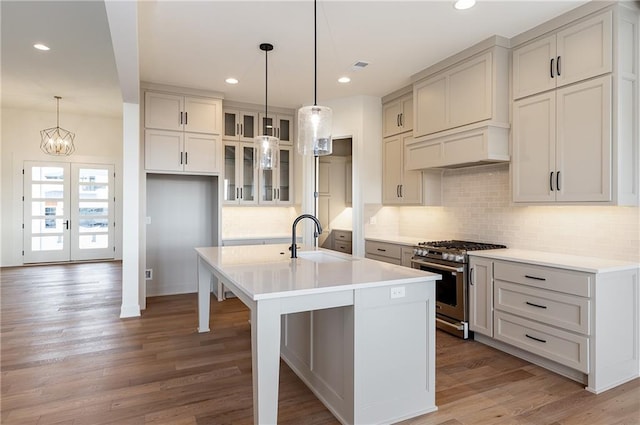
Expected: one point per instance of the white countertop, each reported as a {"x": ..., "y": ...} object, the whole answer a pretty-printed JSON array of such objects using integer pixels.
[
  {"x": 563, "y": 261},
  {"x": 267, "y": 271},
  {"x": 399, "y": 240}
]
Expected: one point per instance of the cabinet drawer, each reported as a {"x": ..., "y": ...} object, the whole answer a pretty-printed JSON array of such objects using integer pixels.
[
  {"x": 389, "y": 260},
  {"x": 560, "y": 280},
  {"x": 384, "y": 250},
  {"x": 565, "y": 311},
  {"x": 342, "y": 235},
  {"x": 342, "y": 246},
  {"x": 562, "y": 347}
]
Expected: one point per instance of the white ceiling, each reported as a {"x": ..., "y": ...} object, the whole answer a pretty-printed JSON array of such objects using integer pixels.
[{"x": 198, "y": 44}]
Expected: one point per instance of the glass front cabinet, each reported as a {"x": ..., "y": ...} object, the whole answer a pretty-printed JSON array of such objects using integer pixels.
[
  {"x": 240, "y": 125},
  {"x": 278, "y": 125},
  {"x": 275, "y": 185},
  {"x": 239, "y": 174}
]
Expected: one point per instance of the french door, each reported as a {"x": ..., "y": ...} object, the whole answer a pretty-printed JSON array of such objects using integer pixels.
[{"x": 68, "y": 212}]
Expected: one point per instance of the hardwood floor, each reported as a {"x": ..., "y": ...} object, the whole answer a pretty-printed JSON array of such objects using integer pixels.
[{"x": 67, "y": 358}]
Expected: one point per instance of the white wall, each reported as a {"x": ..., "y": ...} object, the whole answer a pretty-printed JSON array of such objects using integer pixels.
[
  {"x": 98, "y": 140},
  {"x": 477, "y": 206}
]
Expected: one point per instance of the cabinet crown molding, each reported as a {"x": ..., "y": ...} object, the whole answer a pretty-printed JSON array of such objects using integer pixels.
[{"x": 146, "y": 86}]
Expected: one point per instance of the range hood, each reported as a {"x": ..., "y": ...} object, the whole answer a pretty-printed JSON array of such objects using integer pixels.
[{"x": 457, "y": 148}]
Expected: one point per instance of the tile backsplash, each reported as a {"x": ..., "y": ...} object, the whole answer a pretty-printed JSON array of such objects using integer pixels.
[
  {"x": 477, "y": 206},
  {"x": 257, "y": 222}
]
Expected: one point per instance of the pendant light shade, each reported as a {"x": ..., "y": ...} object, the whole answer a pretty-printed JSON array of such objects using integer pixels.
[
  {"x": 56, "y": 140},
  {"x": 314, "y": 122},
  {"x": 266, "y": 147}
]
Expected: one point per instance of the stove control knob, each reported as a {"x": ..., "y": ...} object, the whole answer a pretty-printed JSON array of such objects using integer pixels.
[
  {"x": 445, "y": 256},
  {"x": 459, "y": 258}
]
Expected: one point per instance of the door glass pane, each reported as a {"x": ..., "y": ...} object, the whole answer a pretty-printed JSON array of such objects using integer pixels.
[
  {"x": 284, "y": 130},
  {"x": 93, "y": 208},
  {"x": 93, "y": 191},
  {"x": 47, "y": 174},
  {"x": 93, "y": 241},
  {"x": 47, "y": 243},
  {"x": 55, "y": 191},
  {"x": 229, "y": 173},
  {"x": 248, "y": 126},
  {"x": 229, "y": 124},
  {"x": 267, "y": 185},
  {"x": 93, "y": 225},
  {"x": 93, "y": 175},
  {"x": 47, "y": 225},
  {"x": 47, "y": 208},
  {"x": 284, "y": 175},
  {"x": 247, "y": 173}
]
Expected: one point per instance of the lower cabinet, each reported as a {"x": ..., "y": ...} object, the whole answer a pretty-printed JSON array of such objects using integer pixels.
[
  {"x": 547, "y": 315},
  {"x": 388, "y": 252}
]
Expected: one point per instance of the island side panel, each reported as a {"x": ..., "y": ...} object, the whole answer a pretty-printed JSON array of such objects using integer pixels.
[
  {"x": 205, "y": 274},
  {"x": 394, "y": 352}
]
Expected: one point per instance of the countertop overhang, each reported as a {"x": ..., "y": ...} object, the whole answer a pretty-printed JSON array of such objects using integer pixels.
[{"x": 267, "y": 271}]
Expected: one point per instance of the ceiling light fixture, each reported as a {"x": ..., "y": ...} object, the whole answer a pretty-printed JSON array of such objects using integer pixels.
[
  {"x": 266, "y": 146},
  {"x": 464, "y": 4},
  {"x": 57, "y": 141},
  {"x": 231, "y": 80},
  {"x": 344, "y": 80},
  {"x": 41, "y": 46},
  {"x": 314, "y": 122}
]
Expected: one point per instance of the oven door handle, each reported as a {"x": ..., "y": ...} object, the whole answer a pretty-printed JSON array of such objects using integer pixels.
[{"x": 439, "y": 266}]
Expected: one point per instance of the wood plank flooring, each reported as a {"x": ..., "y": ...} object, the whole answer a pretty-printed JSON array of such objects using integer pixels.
[{"x": 67, "y": 358}]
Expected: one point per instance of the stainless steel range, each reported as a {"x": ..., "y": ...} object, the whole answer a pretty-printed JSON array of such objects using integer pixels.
[{"x": 450, "y": 259}]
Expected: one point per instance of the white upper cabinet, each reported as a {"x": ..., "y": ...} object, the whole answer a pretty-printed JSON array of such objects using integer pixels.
[
  {"x": 472, "y": 91},
  {"x": 575, "y": 133},
  {"x": 165, "y": 111},
  {"x": 398, "y": 185},
  {"x": 240, "y": 125},
  {"x": 578, "y": 52},
  {"x": 397, "y": 116},
  {"x": 277, "y": 125}
]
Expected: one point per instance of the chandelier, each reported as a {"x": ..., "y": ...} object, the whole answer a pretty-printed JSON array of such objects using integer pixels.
[{"x": 56, "y": 140}]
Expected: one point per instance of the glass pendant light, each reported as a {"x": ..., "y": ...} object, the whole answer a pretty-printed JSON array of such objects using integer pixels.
[
  {"x": 266, "y": 147},
  {"x": 314, "y": 122},
  {"x": 56, "y": 140}
]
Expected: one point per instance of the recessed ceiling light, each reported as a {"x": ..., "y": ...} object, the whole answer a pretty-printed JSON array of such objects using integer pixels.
[
  {"x": 231, "y": 81},
  {"x": 344, "y": 80},
  {"x": 41, "y": 46},
  {"x": 464, "y": 4}
]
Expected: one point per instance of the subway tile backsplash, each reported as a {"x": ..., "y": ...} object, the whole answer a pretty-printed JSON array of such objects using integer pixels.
[{"x": 477, "y": 206}]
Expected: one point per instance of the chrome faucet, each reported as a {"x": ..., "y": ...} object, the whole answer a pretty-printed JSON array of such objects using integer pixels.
[{"x": 294, "y": 248}]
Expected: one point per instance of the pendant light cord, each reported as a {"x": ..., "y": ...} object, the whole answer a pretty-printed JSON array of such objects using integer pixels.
[
  {"x": 315, "y": 55},
  {"x": 57, "y": 110},
  {"x": 266, "y": 83}
]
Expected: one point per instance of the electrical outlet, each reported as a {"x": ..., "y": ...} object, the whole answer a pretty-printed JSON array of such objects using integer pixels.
[
  {"x": 397, "y": 292},
  {"x": 148, "y": 274},
  {"x": 147, "y": 220},
  {"x": 373, "y": 220}
]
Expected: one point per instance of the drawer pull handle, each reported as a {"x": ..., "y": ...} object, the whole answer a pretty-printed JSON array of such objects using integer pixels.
[
  {"x": 382, "y": 250},
  {"x": 535, "y": 305},
  {"x": 534, "y": 277},
  {"x": 535, "y": 339}
]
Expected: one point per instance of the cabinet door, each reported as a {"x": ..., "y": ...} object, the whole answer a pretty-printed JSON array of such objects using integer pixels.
[
  {"x": 411, "y": 183},
  {"x": 201, "y": 153},
  {"x": 406, "y": 119},
  {"x": 585, "y": 50},
  {"x": 284, "y": 130},
  {"x": 583, "y": 153},
  {"x": 201, "y": 115},
  {"x": 534, "y": 146},
  {"x": 430, "y": 97},
  {"x": 533, "y": 71},
  {"x": 284, "y": 190},
  {"x": 163, "y": 111},
  {"x": 247, "y": 176},
  {"x": 231, "y": 124},
  {"x": 469, "y": 92},
  {"x": 248, "y": 126},
  {"x": 481, "y": 296},
  {"x": 391, "y": 170},
  {"x": 268, "y": 125},
  {"x": 231, "y": 189},
  {"x": 391, "y": 118},
  {"x": 163, "y": 150}
]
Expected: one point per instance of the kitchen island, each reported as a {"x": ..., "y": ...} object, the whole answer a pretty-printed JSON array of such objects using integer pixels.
[{"x": 360, "y": 333}]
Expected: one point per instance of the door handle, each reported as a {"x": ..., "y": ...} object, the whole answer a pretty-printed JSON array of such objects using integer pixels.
[
  {"x": 551, "y": 67},
  {"x": 66, "y": 224},
  {"x": 558, "y": 66},
  {"x": 401, "y": 190},
  {"x": 186, "y": 158},
  {"x": 551, "y": 181},
  {"x": 186, "y": 118},
  {"x": 471, "y": 276},
  {"x": 181, "y": 158},
  {"x": 401, "y": 119},
  {"x": 558, "y": 180},
  {"x": 180, "y": 118},
  {"x": 397, "y": 120},
  {"x": 241, "y": 194},
  {"x": 242, "y": 129}
]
